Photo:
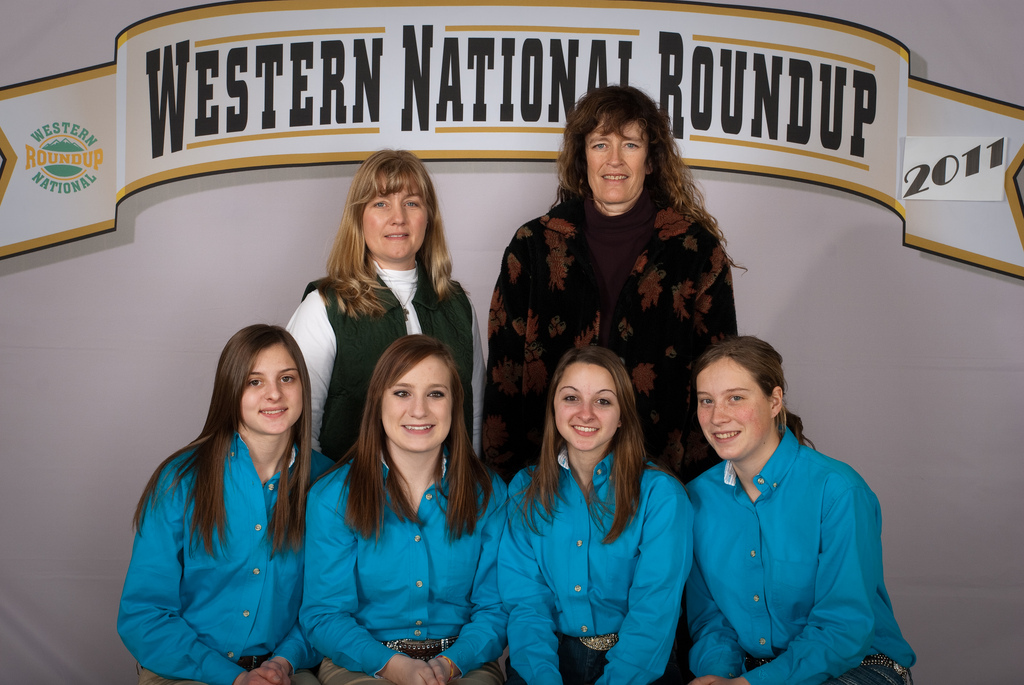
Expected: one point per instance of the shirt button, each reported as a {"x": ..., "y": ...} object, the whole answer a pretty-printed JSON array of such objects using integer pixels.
[
  {"x": 231, "y": 655},
  {"x": 429, "y": 496},
  {"x": 761, "y": 641},
  {"x": 246, "y": 613},
  {"x": 579, "y": 543},
  {"x": 775, "y": 485},
  {"x": 760, "y": 481},
  {"x": 259, "y": 527},
  {"x": 419, "y": 583},
  {"x": 416, "y": 633},
  {"x": 599, "y": 472},
  {"x": 753, "y": 553},
  {"x": 757, "y": 598},
  {"x": 416, "y": 538},
  {"x": 584, "y": 629},
  {"x": 270, "y": 486},
  {"x": 578, "y": 588},
  {"x": 419, "y": 623},
  {"x": 255, "y": 571}
]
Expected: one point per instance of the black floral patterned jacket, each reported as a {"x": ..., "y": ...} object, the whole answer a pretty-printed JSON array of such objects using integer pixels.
[{"x": 677, "y": 300}]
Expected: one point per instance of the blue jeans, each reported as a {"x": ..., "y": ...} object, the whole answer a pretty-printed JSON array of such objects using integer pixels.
[
  {"x": 580, "y": 665},
  {"x": 869, "y": 675}
]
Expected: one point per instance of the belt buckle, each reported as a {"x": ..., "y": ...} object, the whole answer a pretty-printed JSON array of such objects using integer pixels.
[{"x": 600, "y": 643}]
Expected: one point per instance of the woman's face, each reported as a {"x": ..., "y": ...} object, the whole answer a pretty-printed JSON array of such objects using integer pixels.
[
  {"x": 586, "y": 412},
  {"x": 616, "y": 167},
  {"x": 394, "y": 227},
  {"x": 737, "y": 418},
  {"x": 417, "y": 410},
  {"x": 272, "y": 398}
]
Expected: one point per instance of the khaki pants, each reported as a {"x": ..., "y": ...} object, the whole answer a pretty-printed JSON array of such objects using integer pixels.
[
  {"x": 330, "y": 674},
  {"x": 147, "y": 677}
]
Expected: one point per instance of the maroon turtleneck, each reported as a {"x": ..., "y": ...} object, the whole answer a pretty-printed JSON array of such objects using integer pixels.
[{"x": 614, "y": 243}]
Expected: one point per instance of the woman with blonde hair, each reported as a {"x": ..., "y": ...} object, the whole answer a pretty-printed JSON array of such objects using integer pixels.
[
  {"x": 403, "y": 534},
  {"x": 213, "y": 588},
  {"x": 389, "y": 274},
  {"x": 598, "y": 543}
]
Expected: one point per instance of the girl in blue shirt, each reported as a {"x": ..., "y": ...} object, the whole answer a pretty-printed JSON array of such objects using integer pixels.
[
  {"x": 402, "y": 536},
  {"x": 214, "y": 585},
  {"x": 598, "y": 543},
  {"x": 787, "y": 585}
]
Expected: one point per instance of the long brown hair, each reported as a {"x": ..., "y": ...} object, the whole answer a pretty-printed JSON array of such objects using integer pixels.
[
  {"x": 612, "y": 109},
  {"x": 764, "y": 363},
  {"x": 627, "y": 444},
  {"x": 205, "y": 456},
  {"x": 351, "y": 276},
  {"x": 369, "y": 492}
]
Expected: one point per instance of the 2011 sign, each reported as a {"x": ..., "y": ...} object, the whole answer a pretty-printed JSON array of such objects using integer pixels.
[{"x": 966, "y": 169}]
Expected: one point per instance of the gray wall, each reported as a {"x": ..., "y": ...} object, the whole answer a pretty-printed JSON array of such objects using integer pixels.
[{"x": 907, "y": 366}]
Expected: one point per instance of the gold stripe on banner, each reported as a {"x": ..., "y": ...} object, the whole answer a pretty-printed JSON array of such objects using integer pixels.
[
  {"x": 1013, "y": 191},
  {"x": 785, "y": 48},
  {"x": 499, "y": 129},
  {"x": 250, "y": 163},
  {"x": 59, "y": 81},
  {"x": 817, "y": 179},
  {"x": 288, "y": 34},
  {"x": 282, "y": 134},
  {"x": 482, "y": 28},
  {"x": 943, "y": 250},
  {"x": 56, "y": 238},
  {"x": 969, "y": 99},
  {"x": 296, "y": 5},
  {"x": 780, "y": 148}
]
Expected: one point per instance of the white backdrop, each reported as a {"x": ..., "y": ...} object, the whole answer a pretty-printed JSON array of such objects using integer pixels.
[{"x": 907, "y": 366}]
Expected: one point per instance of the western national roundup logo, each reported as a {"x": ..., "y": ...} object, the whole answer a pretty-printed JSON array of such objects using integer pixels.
[{"x": 65, "y": 159}]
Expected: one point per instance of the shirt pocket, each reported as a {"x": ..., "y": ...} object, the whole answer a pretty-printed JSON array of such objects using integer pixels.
[
  {"x": 791, "y": 594},
  {"x": 462, "y": 559},
  {"x": 617, "y": 563}
]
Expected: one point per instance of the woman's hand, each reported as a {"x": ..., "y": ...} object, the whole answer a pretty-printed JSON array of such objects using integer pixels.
[
  {"x": 404, "y": 670},
  {"x": 276, "y": 671},
  {"x": 444, "y": 668}
]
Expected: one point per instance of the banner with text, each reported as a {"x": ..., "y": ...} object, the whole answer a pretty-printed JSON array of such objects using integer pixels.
[{"x": 262, "y": 84}]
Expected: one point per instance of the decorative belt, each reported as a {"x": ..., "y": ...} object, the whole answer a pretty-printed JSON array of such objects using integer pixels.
[
  {"x": 424, "y": 650},
  {"x": 251, "y": 663},
  {"x": 600, "y": 643},
  {"x": 883, "y": 660},
  {"x": 753, "y": 662}
]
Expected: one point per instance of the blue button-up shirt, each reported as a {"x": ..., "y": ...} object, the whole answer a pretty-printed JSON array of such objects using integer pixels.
[
  {"x": 187, "y": 615},
  {"x": 566, "y": 580},
  {"x": 411, "y": 583},
  {"x": 796, "y": 574}
]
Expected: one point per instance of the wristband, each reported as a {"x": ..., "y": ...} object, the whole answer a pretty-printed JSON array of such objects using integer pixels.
[{"x": 451, "y": 666}]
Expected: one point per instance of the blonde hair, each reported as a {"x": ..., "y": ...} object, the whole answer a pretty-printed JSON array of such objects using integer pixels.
[{"x": 351, "y": 275}]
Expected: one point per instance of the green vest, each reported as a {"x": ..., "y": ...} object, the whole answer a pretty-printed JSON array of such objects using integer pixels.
[{"x": 362, "y": 341}]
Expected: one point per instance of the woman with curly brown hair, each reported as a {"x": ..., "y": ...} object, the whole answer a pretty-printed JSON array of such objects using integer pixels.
[{"x": 628, "y": 259}]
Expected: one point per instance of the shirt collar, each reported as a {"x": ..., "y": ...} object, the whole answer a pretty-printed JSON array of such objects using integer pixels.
[
  {"x": 775, "y": 469},
  {"x": 444, "y": 464},
  {"x": 239, "y": 449},
  {"x": 602, "y": 469}
]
